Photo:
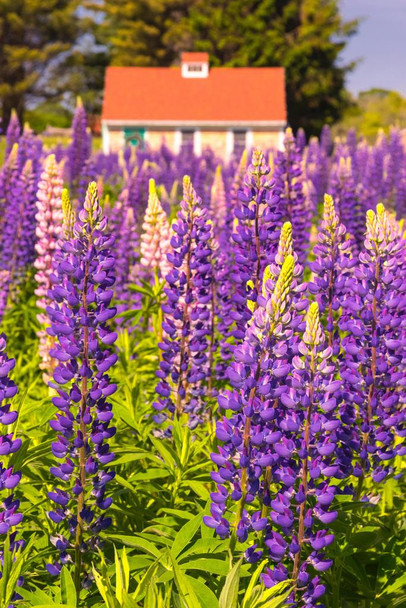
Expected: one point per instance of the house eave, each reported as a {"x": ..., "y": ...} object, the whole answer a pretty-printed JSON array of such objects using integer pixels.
[{"x": 179, "y": 124}]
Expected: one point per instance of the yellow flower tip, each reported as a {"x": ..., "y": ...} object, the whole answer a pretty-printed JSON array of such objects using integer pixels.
[
  {"x": 186, "y": 181},
  {"x": 287, "y": 229},
  {"x": 151, "y": 187},
  {"x": 328, "y": 200},
  {"x": 218, "y": 171},
  {"x": 370, "y": 215},
  {"x": 79, "y": 102},
  {"x": 14, "y": 151},
  {"x": 313, "y": 310},
  {"x": 380, "y": 209},
  {"x": 289, "y": 132}
]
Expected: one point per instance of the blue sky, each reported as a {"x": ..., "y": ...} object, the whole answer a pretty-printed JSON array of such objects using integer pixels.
[{"x": 380, "y": 44}]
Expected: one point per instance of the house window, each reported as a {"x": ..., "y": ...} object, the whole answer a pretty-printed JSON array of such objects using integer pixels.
[
  {"x": 187, "y": 140},
  {"x": 240, "y": 138},
  {"x": 194, "y": 67}
]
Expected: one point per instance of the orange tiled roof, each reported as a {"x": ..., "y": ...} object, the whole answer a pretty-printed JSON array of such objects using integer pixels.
[{"x": 145, "y": 94}]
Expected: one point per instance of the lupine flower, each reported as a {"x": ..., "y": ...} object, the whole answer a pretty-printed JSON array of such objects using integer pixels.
[
  {"x": 49, "y": 227},
  {"x": 81, "y": 293},
  {"x": 10, "y": 517},
  {"x": 218, "y": 203},
  {"x": 331, "y": 266},
  {"x": 255, "y": 235},
  {"x": 18, "y": 239},
  {"x": 184, "y": 366},
  {"x": 257, "y": 377},
  {"x": 308, "y": 455},
  {"x": 291, "y": 189},
  {"x": 13, "y": 132},
  {"x": 80, "y": 147},
  {"x": 155, "y": 238},
  {"x": 373, "y": 305},
  {"x": 347, "y": 199}
]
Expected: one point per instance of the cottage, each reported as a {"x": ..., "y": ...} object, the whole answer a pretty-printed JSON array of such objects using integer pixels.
[{"x": 193, "y": 104}]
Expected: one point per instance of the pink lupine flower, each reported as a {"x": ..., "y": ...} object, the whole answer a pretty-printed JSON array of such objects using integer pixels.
[
  {"x": 49, "y": 227},
  {"x": 155, "y": 240}
]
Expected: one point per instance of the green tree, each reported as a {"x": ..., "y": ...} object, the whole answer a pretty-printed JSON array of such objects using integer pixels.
[
  {"x": 138, "y": 32},
  {"x": 34, "y": 35},
  {"x": 304, "y": 36}
]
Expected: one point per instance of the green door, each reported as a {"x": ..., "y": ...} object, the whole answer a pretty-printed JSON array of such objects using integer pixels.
[{"x": 134, "y": 137}]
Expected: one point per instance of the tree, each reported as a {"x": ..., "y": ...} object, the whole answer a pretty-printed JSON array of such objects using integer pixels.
[
  {"x": 304, "y": 36},
  {"x": 34, "y": 36},
  {"x": 137, "y": 32}
]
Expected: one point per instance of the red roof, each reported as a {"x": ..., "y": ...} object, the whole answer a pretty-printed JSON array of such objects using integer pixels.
[
  {"x": 226, "y": 95},
  {"x": 194, "y": 58}
]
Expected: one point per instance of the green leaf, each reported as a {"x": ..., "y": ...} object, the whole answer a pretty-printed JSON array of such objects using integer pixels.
[
  {"x": 205, "y": 595},
  {"x": 137, "y": 542},
  {"x": 229, "y": 593},
  {"x": 185, "y": 535},
  {"x": 206, "y": 564},
  {"x": 68, "y": 591},
  {"x": 185, "y": 589}
]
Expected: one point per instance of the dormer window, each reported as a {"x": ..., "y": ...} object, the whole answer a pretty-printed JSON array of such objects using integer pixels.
[{"x": 195, "y": 65}]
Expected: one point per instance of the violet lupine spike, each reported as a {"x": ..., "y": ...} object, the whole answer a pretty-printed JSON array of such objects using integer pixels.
[
  {"x": 183, "y": 371},
  {"x": 80, "y": 312},
  {"x": 49, "y": 218},
  {"x": 256, "y": 233},
  {"x": 218, "y": 204},
  {"x": 18, "y": 239},
  {"x": 393, "y": 164},
  {"x": 9, "y": 174},
  {"x": 257, "y": 376},
  {"x": 373, "y": 305},
  {"x": 232, "y": 198},
  {"x": 12, "y": 133},
  {"x": 10, "y": 517},
  {"x": 347, "y": 200},
  {"x": 308, "y": 455},
  {"x": 290, "y": 188},
  {"x": 80, "y": 147},
  {"x": 155, "y": 238},
  {"x": 330, "y": 269}
]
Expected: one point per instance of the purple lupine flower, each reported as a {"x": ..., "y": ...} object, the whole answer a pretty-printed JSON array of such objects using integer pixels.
[
  {"x": 8, "y": 180},
  {"x": 255, "y": 237},
  {"x": 347, "y": 199},
  {"x": 373, "y": 304},
  {"x": 18, "y": 238},
  {"x": 257, "y": 377},
  {"x": 290, "y": 187},
  {"x": 326, "y": 141},
  {"x": 184, "y": 368},
  {"x": 393, "y": 164},
  {"x": 218, "y": 204},
  {"x": 81, "y": 293},
  {"x": 301, "y": 140},
  {"x": 306, "y": 456},
  {"x": 331, "y": 266},
  {"x": 48, "y": 230},
  {"x": 10, "y": 517},
  {"x": 80, "y": 147},
  {"x": 12, "y": 133}
]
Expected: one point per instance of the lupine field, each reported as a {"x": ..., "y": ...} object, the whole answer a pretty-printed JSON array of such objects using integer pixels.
[{"x": 203, "y": 375}]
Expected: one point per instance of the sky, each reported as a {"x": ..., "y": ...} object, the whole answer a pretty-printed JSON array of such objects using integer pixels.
[{"x": 380, "y": 44}]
